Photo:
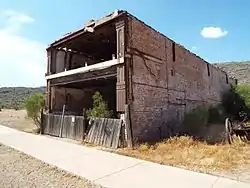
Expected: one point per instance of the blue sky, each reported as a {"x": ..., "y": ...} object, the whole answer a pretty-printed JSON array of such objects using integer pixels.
[{"x": 216, "y": 30}]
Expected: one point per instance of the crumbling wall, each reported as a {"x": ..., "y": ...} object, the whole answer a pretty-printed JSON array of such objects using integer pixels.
[
  {"x": 60, "y": 56},
  {"x": 167, "y": 81}
]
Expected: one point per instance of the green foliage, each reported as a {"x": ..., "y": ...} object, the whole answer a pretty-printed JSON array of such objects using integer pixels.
[
  {"x": 14, "y": 97},
  {"x": 1, "y": 105},
  {"x": 33, "y": 105},
  {"x": 244, "y": 93},
  {"x": 216, "y": 114},
  {"x": 100, "y": 107},
  {"x": 195, "y": 120},
  {"x": 237, "y": 101}
]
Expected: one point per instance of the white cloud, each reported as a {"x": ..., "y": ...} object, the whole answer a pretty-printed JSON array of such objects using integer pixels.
[
  {"x": 213, "y": 32},
  {"x": 22, "y": 60},
  {"x": 194, "y": 48}
]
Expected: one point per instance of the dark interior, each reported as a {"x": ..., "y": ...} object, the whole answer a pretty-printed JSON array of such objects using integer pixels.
[
  {"x": 107, "y": 88},
  {"x": 99, "y": 45}
]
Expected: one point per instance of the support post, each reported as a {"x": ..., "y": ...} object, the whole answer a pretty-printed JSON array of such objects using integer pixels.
[
  {"x": 42, "y": 122},
  {"x": 62, "y": 121},
  {"x": 128, "y": 129}
]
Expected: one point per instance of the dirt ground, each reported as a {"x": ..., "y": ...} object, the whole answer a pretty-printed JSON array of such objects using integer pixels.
[
  {"x": 16, "y": 119},
  {"x": 20, "y": 170}
]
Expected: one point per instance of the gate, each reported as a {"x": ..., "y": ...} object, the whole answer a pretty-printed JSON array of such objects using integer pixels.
[{"x": 68, "y": 126}]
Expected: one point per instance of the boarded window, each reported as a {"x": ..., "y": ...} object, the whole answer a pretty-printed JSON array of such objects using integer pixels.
[
  {"x": 173, "y": 51},
  {"x": 226, "y": 79},
  {"x": 208, "y": 70},
  {"x": 172, "y": 72}
]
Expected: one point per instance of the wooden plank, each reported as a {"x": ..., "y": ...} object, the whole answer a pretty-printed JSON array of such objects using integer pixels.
[
  {"x": 62, "y": 120},
  {"x": 116, "y": 135},
  {"x": 84, "y": 127},
  {"x": 87, "y": 139},
  {"x": 95, "y": 127},
  {"x": 105, "y": 132},
  {"x": 104, "y": 124},
  {"x": 128, "y": 129},
  {"x": 110, "y": 131},
  {"x": 97, "y": 66},
  {"x": 98, "y": 131},
  {"x": 77, "y": 128}
]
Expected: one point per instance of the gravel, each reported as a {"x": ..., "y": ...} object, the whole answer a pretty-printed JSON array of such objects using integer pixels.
[{"x": 20, "y": 170}]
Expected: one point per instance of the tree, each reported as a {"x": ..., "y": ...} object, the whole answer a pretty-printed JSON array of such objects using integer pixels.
[
  {"x": 33, "y": 105},
  {"x": 237, "y": 101},
  {"x": 100, "y": 107}
]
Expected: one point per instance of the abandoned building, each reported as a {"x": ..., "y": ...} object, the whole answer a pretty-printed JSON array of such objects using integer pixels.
[{"x": 130, "y": 63}]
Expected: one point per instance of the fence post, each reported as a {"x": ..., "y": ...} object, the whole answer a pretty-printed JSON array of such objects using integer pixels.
[
  {"x": 84, "y": 113},
  {"x": 62, "y": 120},
  {"x": 127, "y": 120},
  {"x": 42, "y": 122}
]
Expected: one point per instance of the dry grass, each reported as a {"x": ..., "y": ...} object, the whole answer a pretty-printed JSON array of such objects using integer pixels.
[
  {"x": 194, "y": 155},
  {"x": 16, "y": 119}
]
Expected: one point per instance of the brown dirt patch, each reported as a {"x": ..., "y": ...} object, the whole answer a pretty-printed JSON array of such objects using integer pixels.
[{"x": 16, "y": 119}]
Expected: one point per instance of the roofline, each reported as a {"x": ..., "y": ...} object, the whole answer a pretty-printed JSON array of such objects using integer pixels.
[
  {"x": 116, "y": 14},
  {"x": 97, "y": 23}
]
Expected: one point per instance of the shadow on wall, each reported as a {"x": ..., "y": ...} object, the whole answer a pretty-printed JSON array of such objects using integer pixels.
[{"x": 200, "y": 123}]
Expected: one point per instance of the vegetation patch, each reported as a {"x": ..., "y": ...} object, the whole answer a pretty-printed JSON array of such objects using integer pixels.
[
  {"x": 14, "y": 97},
  {"x": 186, "y": 152},
  {"x": 33, "y": 105},
  {"x": 100, "y": 107},
  {"x": 237, "y": 101}
]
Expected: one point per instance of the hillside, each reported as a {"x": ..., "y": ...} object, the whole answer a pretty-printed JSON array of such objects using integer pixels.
[
  {"x": 11, "y": 97},
  {"x": 239, "y": 70}
]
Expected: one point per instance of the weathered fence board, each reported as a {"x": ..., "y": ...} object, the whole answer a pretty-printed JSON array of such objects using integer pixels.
[
  {"x": 105, "y": 132},
  {"x": 102, "y": 131},
  {"x": 73, "y": 127}
]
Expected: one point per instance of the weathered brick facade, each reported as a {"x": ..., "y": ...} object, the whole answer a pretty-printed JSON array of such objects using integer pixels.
[
  {"x": 161, "y": 80},
  {"x": 167, "y": 81}
]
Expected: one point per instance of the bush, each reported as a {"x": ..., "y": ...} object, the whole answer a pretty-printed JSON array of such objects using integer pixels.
[
  {"x": 33, "y": 105},
  {"x": 195, "y": 120},
  {"x": 216, "y": 114},
  {"x": 100, "y": 107},
  {"x": 237, "y": 101}
]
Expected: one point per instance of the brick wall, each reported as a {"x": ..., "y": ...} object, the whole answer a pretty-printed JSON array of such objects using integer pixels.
[{"x": 164, "y": 87}]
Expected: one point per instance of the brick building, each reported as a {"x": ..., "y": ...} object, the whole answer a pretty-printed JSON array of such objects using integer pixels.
[{"x": 131, "y": 63}]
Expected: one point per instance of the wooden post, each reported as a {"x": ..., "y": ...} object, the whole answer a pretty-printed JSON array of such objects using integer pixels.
[
  {"x": 62, "y": 120},
  {"x": 42, "y": 122},
  {"x": 84, "y": 113},
  {"x": 127, "y": 120}
]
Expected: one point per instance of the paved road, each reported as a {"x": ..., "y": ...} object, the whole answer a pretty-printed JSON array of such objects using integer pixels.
[{"x": 108, "y": 169}]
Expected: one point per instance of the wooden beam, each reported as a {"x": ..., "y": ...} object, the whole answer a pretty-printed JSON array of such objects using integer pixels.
[
  {"x": 93, "y": 67},
  {"x": 128, "y": 128}
]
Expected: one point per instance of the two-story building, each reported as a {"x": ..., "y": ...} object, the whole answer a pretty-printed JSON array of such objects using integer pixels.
[{"x": 131, "y": 63}]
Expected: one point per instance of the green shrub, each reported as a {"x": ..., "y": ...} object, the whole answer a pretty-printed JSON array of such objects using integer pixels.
[
  {"x": 195, "y": 120},
  {"x": 237, "y": 101},
  {"x": 33, "y": 105},
  {"x": 100, "y": 107},
  {"x": 216, "y": 114}
]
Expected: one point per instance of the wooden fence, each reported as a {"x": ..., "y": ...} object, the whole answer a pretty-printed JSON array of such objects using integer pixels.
[
  {"x": 105, "y": 132},
  {"x": 99, "y": 131},
  {"x": 73, "y": 127}
]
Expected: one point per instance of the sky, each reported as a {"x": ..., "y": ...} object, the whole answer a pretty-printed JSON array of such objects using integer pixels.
[{"x": 216, "y": 30}]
